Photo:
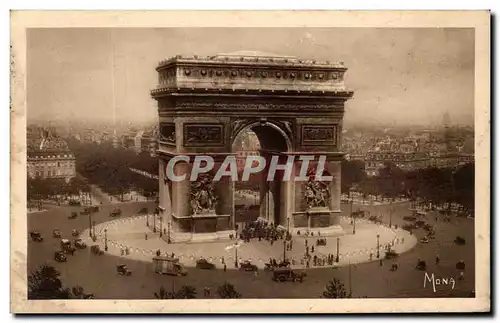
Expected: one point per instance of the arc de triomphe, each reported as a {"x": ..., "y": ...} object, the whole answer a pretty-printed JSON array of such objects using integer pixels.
[{"x": 294, "y": 106}]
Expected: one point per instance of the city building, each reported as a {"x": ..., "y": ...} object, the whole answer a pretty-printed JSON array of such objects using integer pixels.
[{"x": 49, "y": 156}]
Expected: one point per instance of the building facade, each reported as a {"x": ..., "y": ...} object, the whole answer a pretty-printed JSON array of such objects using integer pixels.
[{"x": 49, "y": 157}]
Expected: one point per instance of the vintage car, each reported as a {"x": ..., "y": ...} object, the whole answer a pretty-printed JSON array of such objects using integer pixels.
[
  {"x": 123, "y": 270},
  {"x": 321, "y": 242},
  {"x": 73, "y": 215},
  {"x": 66, "y": 247},
  {"x": 79, "y": 244},
  {"x": 459, "y": 240},
  {"x": 288, "y": 274},
  {"x": 56, "y": 233},
  {"x": 391, "y": 254},
  {"x": 60, "y": 257},
  {"x": 421, "y": 265},
  {"x": 96, "y": 250},
  {"x": 74, "y": 203},
  {"x": 115, "y": 213},
  {"x": 424, "y": 240},
  {"x": 36, "y": 236},
  {"x": 247, "y": 266},
  {"x": 204, "y": 264}
]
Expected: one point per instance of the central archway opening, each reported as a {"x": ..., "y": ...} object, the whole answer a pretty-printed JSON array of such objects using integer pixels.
[{"x": 258, "y": 198}]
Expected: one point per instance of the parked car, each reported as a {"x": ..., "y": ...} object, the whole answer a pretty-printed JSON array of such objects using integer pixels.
[
  {"x": 204, "y": 264},
  {"x": 66, "y": 247},
  {"x": 56, "y": 233},
  {"x": 248, "y": 266},
  {"x": 74, "y": 203},
  {"x": 115, "y": 213},
  {"x": 60, "y": 257},
  {"x": 36, "y": 236},
  {"x": 79, "y": 244},
  {"x": 123, "y": 270},
  {"x": 460, "y": 240},
  {"x": 288, "y": 274},
  {"x": 421, "y": 265},
  {"x": 391, "y": 254}
]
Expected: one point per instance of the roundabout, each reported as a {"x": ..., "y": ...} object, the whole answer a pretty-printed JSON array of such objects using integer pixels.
[{"x": 131, "y": 234}]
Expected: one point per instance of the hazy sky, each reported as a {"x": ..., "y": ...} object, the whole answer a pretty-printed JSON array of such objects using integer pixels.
[{"x": 398, "y": 75}]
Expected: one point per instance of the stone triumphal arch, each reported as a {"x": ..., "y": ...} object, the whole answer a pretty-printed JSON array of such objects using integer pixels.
[{"x": 294, "y": 106}]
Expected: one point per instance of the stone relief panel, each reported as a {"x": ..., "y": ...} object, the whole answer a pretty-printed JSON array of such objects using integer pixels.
[
  {"x": 316, "y": 193},
  {"x": 167, "y": 133},
  {"x": 203, "y": 135},
  {"x": 319, "y": 135},
  {"x": 202, "y": 198}
]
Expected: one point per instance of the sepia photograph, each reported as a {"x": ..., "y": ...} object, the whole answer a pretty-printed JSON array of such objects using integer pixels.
[{"x": 258, "y": 163}]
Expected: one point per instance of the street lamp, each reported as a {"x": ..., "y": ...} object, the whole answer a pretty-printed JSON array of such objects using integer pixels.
[
  {"x": 105, "y": 239},
  {"x": 338, "y": 244},
  {"x": 154, "y": 221},
  {"x": 161, "y": 228},
  {"x": 354, "y": 225},
  {"x": 236, "y": 255},
  {"x": 169, "y": 224},
  {"x": 378, "y": 245},
  {"x": 90, "y": 224}
]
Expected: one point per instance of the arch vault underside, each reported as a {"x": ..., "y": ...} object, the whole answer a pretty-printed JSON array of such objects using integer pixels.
[{"x": 295, "y": 107}]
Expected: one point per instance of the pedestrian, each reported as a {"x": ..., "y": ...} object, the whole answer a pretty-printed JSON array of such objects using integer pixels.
[
  {"x": 225, "y": 267},
  {"x": 122, "y": 252},
  {"x": 158, "y": 253},
  {"x": 255, "y": 274},
  {"x": 437, "y": 259},
  {"x": 127, "y": 251},
  {"x": 145, "y": 236},
  {"x": 312, "y": 249},
  {"x": 173, "y": 255},
  {"x": 381, "y": 263},
  {"x": 402, "y": 240},
  {"x": 461, "y": 276}
]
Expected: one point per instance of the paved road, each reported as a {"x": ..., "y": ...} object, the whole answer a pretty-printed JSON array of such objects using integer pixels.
[{"x": 97, "y": 273}]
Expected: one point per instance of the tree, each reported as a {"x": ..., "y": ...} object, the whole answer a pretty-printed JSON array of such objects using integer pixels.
[
  {"x": 353, "y": 172},
  {"x": 227, "y": 290},
  {"x": 44, "y": 283},
  {"x": 185, "y": 292},
  {"x": 335, "y": 289}
]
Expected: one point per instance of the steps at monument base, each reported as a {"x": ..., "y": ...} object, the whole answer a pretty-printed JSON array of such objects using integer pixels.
[{"x": 181, "y": 237}]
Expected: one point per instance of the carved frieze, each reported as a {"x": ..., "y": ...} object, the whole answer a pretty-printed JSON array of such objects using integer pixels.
[
  {"x": 324, "y": 135},
  {"x": 203, "y": 199},
  {"x": 203, "y": 135},
  {"x": 252, "y": 106},
  {"x": 167, "y": 133}
]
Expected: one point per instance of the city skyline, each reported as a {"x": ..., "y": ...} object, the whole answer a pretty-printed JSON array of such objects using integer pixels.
[{"x": 71, "y": 71}]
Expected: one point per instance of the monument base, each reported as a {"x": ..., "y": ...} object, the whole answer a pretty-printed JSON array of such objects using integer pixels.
[
  {"x": 318, "y": 220},
  {"x": 201, "y": 228},
  {"x": 186, "y": 237}
]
